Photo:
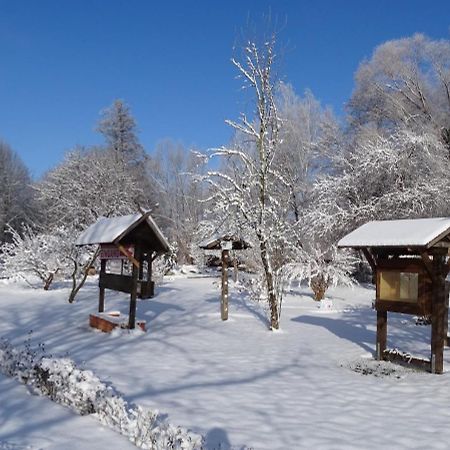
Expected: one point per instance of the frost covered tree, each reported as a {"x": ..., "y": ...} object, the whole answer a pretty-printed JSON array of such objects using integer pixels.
[
  {"x": 88, "y": 184},
  {"x": 375, "y": 177},
  {"x": 309, "y": 136},
  {"x": 322, "y": 265},
  {"x": 118, "y": 127},
  {"x": 405, "y": 84},
  {"x": 403, "y": 175},
  {"x": 17, "y": 204},
  {"x": 252, "y": 186},
  {"x": 31, "y": 253},
  {"x": 171, "y": 170}
]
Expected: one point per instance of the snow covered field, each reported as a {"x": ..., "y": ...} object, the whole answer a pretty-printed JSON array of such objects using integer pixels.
[{"x": 235, "y": 382}]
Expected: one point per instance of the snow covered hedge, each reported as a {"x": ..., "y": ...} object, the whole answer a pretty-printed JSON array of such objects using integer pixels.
[{"x": 62, "y": 381}]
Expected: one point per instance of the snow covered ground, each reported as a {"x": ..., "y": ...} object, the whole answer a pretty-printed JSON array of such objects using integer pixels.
[{"x": 235, "y": 382}]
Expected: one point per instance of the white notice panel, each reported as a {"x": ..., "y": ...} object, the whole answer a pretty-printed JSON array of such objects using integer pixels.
[{"x": 226, "y": 245}]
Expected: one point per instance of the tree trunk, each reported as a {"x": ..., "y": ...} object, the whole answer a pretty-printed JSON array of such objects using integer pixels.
[
  {"x": 271, "y": 294},
  {"x": 49, "y": 280},
  {"x": 76, "y": 288}
]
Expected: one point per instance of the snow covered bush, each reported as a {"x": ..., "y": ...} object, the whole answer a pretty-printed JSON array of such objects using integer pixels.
[
  {"x": 30, "y": 254},
  {"x": 322, "y": 269},
  {"x": 82, "y": 391},
  {"x": 164, "y": 264}
]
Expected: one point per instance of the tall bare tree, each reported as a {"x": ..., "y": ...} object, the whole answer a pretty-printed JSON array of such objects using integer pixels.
[
  {"x": 118, "y": 127},
  {"x": 253, "y": 187},
  {"x": 16, "y": 195},
  {"x": 170, "y": 170}
]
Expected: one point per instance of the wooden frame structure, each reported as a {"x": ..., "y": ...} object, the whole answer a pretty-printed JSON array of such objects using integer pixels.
[
  {"x": 225, "y": 243},
  {"x": 409, "y": 260},
  {"x": 134, "y": 238}
]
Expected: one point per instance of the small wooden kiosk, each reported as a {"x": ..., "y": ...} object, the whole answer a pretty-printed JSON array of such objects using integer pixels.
[
  {"x": 134, "y": 240},
  {"x": 225, "y": 243},
  {"x": 410, "y": 264}
]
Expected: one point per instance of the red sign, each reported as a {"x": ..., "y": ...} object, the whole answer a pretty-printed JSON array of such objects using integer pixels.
[{"x": 113, "y": 252}]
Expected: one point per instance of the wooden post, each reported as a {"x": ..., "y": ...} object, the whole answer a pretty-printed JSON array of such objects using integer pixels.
[
  {"x": 141, "y": 267},
  {"x": 381, "y": 333},
  {"x": 133, "y": 296},
  {"x": 235, "y": 268},
  {"x": 224, "y": 298},
  {"x": 101, "y": 295},
  {"x": 446, "y": 338},
  {"x": 438, "y": 314},
  {"x": 149, "y": 266}
]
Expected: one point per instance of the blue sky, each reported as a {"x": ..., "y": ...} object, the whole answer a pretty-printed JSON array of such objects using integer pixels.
[{"x": 62, "y": 61}]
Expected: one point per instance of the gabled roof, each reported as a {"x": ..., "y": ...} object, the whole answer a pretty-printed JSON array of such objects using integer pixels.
[
  {"x": 213, "y": 243},
  {"x": 111, "y": 230},
  {"x": 398, "y": 233}
]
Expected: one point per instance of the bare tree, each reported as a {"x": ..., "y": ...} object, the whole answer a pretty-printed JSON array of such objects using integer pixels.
[
  {"x": 405, "y": 84},
  {"x": 400, "y": 176},
  {"x": 118, "y": 127},
  {"x": 16, "y": 195},
  {"x": 171, "y": 170},
  {"x": 253, "y": 187},
  {"x": 309, "y": 136}
]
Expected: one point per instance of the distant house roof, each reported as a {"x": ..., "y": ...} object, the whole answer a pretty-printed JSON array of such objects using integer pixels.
[
  {"x": 111, "y": 230},
  {"x": 398, "y": 233},
  {"x": 213, "y": 243}
]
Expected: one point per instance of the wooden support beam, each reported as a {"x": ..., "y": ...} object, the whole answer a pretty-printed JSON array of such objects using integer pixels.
[
  {"x": 370, "y": 259},
  {"x": 125, "y": 252},
  {"x": 438, "y": 316},
  {"x": 141, "y": 267},
  {"x": 133, "y": 297},
  {"x": 442, "y": 244},
  {"x": 381, "y": 334},
  {"x": 149, "y": 266},
  {"x": 101, "y": 295},
  {"x": 446, "y": 338},
  {"x": 224, "y": 297},
  {"x": 428, "y": 263}
]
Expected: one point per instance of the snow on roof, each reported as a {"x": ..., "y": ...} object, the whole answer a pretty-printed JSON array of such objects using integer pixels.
[
  {"x": 211, "y": 240},
  {"x": 107, "y": 230},
  {"x": 217, "y": 238},
  {"x": 398, "y": 233}
]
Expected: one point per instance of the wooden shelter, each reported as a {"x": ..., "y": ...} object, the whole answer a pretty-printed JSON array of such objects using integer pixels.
[
  {"x": 133, "y": 240},
  {"x": 409, "y": 259},
  {"x": 225, "y": 243}
]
